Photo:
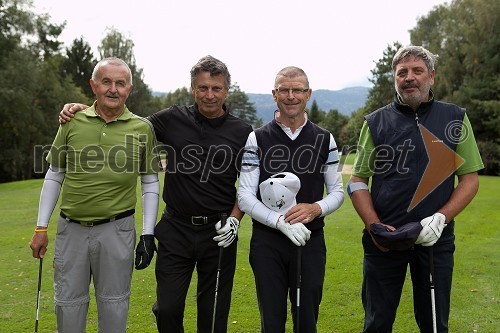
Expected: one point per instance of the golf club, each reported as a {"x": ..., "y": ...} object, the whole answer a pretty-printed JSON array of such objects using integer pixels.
[
  {"x": 433, "y": 297},
  {"x": 223, "y": 218},
  {"x": 38, "y": 294},
  {"x": 299, "y": 278}
]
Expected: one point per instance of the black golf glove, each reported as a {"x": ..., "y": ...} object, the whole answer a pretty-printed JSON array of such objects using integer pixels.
[{"x": 144, "y": 251}]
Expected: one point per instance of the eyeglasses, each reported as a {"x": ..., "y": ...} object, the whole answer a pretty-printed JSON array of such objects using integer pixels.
[{"x": 295, "y": 91}]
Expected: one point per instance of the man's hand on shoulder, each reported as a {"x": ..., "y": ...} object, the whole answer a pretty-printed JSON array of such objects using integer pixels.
[{"x": 69, "y": 111}]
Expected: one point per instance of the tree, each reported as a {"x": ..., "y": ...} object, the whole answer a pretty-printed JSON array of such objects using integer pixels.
[
  {"x": 79, "y": 64},
  {"x": 181, "y": 96},
  {"x": 53, "y": 90},
  {"x": 31, "y": 90},
  {"x": 115, "y": 44},
  {"x": 48, "y": 34},
  {"x": 239, "y": 106},
  {"x": 15, "y": 21},
  {"x": 379, "y": 95},
  {"x": 466, "y": 36},
  {"x": 18, "y": 117},
  {"x": 335, "y": 122},
  {"x": 315, "y": 115}
]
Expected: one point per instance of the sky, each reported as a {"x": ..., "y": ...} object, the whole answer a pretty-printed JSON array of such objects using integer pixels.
[{"x": 336, "y": 42}]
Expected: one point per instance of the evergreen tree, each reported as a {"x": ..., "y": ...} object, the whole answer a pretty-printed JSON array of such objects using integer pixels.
[
  {"x": 335, "y": 122},
  {"x": 466, "y": 36},
  {"x": 79, "y": 64},
  {"x": 379, "y": 95},
  {"x": 31, "y": 89},
  {"x": 239, "y": 106},
  {"x": 315, "y": 115},
  {"x": 115, "y": 44},
  {"x": 181, "y": 96}
]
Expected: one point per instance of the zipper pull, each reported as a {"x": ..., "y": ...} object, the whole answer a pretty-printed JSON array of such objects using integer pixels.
[{"x": 416, "y": 119}]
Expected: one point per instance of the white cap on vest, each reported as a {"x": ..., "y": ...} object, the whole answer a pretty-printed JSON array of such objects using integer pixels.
[{"x": 278, "y": 191}]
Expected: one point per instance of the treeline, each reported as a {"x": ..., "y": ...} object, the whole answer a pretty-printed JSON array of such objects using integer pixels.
[
  {"x": 39, "y": 74},
  {"x": 466, "y": 36}
]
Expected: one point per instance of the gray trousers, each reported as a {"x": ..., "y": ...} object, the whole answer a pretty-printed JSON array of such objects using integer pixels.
[{"x": 104, "y": 253}]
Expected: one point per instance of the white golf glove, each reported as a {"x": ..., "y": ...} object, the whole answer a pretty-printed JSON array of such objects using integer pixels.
[
  {"x": 432, "y": 227},
  {"x": 297, "y": 232},
  {"x": 228, "y": 233}
]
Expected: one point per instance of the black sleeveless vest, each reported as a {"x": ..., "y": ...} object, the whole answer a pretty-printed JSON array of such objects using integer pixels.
[
  {"x": 304, "y": 156},
  {"x": 403, "y": 156}
]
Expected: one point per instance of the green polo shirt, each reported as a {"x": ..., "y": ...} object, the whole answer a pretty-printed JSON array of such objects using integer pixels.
[
  {"x": 102, "y": 162},
  {"x": 467, "y": 149}
]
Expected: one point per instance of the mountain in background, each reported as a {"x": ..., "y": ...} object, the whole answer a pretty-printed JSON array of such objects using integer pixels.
[{"x": 345, "y": 101}]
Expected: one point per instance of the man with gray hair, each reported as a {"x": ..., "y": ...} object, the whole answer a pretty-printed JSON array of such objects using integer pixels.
[
  {"x": 412, "y": 149},
  {"x": 95, "y": 161},
  {"x": 202, "y": 143}
]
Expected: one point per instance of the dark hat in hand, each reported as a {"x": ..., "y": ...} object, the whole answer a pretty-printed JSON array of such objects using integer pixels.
[{"x": 400, "y": 239}]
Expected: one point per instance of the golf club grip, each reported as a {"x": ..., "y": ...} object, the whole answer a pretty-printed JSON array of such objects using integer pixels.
[
  {"x": 431, "y": 264},
  {"x": 223, "y": 219}
]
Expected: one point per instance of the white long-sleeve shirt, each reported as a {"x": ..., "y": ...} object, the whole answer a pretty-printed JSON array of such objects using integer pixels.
[
  {"x": 51, "y": 189},
  {"x": 249, "y": 182}
]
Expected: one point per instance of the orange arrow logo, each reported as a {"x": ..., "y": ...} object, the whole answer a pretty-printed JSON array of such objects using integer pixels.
[{"x": 443, "y": 162}]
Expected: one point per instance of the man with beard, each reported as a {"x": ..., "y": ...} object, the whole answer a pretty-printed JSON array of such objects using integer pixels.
[{"x": 412, "y": 155}]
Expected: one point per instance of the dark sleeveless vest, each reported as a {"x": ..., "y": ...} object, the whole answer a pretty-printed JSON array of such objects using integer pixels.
[
  {"x": 403, "y": 158},
  {"x": 304, "y": 156}
]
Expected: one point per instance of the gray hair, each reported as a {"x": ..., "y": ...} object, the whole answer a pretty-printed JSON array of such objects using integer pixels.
[
  {"x": 404, "y": 52},
  {"x": 290, "y": 72},
  {"x": 213, "y": 66},
  {"x": 112, "y": 61}
]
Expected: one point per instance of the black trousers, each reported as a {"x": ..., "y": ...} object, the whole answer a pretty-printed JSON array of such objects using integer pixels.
[
  {"x": 181, "y": 248},
  {"x": 383, "y": 279},
  {"x": 273, "y": 258}
]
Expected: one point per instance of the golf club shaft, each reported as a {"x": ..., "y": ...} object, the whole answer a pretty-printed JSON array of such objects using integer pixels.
[
  {"x": 38, "y": 294},
  {"x": 299, "y": 278},
  {"x": 219, "y": 264},
  {"x": 433, "y": 296}
]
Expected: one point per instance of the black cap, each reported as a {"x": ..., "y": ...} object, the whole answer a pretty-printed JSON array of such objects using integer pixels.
[{"x": 400, "y": 239}]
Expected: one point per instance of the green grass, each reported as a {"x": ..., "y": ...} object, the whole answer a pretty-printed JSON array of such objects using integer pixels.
[
  {"x": 475, "y": 295},
  {"x": 349, "y": 158}
]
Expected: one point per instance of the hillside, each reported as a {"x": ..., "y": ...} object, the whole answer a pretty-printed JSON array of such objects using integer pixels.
[{"x": 345, "y": 101}]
